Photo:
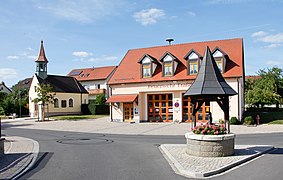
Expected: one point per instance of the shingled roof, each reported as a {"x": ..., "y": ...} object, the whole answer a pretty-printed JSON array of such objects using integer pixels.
[
  {"x": 90, "y": 74},
  {"x": 209, "y": 80},
  {"x": 129, "y": 69},
  {"x": 63, "y": 84}
]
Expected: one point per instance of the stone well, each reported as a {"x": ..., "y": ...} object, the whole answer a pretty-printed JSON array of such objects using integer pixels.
[{"x": 210, "y": 145}]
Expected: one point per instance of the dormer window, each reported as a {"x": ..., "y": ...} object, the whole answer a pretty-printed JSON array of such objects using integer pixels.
[
  {"x": 146, "y": 70},
  {"x": 168, "y": 68},
  {"x": 193, "y": 62},
  {"x": 220, "y": 59},
  {"x": 148, "y": 66},
  {"x": 169, "y": 64}
]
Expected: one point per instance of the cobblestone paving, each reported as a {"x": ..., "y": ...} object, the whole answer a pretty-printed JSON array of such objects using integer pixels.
[{"x": 208, "y": 164}]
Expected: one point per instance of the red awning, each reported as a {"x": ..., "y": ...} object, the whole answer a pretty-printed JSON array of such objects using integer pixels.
[{"x": 122, "y": 98}]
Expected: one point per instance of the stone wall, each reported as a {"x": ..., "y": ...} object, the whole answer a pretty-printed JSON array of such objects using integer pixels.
[{"x": 210, "y": 145}]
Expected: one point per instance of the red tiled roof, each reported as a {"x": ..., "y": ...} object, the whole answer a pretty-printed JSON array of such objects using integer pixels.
[
  {"x": 129, "y": 69},
  {"x": 122, "y": 98},
  {"x": 89, "y": 74}
]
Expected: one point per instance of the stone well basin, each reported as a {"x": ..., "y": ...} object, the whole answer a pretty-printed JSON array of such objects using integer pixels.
[{"x": 210, "y": 145}]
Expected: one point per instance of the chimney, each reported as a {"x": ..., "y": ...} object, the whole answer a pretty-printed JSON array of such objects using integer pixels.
[{"x": 169, "y": 40}]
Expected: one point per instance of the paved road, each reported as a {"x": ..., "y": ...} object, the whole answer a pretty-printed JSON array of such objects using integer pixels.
[{"x": 68, "y": 155}]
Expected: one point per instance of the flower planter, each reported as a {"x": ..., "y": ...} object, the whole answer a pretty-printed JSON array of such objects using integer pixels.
[{"x": 210, "y": 145}]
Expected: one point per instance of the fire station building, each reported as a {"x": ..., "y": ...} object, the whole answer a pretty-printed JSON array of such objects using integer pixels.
[{"x": 149, "y": 83}]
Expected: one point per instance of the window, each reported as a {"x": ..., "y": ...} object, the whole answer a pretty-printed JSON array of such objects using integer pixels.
[
  {"x": 148, "y": 65},
  {"x": 193, "y": 58},
  {"x": 41, "y": 67},
  {"x": 220, "y": 59},
  {"x": 146, "y": 70},
  {"x": 98, "y": 86},
  {"x": 219, "y": 63},
  {"x": 168, "y": 68},
  {"x": 193, "y": 66},
  {"x": 71, "y": 103},
  {"x": 169, "y": 64},
  {"x": 63, "y": 103},
  {"x": 56, "y": 103}
]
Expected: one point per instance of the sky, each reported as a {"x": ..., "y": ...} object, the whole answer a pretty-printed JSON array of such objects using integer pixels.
[{"x": 95, "y": 33}]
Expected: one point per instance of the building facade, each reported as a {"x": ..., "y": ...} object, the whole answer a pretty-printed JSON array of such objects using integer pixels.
[
  {"x": 149, "y": 83},
  {"x": 94, "y": 80},
  {"x": 4, "y": 88},
  {"x": 69, "y": 94}
]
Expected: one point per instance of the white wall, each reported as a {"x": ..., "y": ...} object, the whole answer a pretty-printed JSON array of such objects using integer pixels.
[{"x": 177, "y": 89}]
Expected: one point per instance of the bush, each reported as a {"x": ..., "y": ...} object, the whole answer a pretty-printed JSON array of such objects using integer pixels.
[
  {"x": 93, "y": 109},
  {"x": 234, "y": 121},
  {"x": 248, "y": 120}
]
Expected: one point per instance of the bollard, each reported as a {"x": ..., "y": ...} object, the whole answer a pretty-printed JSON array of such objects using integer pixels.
[{"x": 257, "y": 119}]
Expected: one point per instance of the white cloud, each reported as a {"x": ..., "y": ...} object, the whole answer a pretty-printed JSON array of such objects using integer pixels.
[
  {"x": 273, "y": 38},
  {"x": 259, "y": 33},
  {"x": 12, "y": 57},
  {"x": 272, "y": 46},
  {"x": 191, "y": 13},
  {"x": 149, "y": 16},
  {"x": 274, "y": 63},
  {"x": 83, "y": 11},
  {"x": 81, "y": 54},
  {"x": 8, "y": 73},
  {"x": 32, "y": 57}
]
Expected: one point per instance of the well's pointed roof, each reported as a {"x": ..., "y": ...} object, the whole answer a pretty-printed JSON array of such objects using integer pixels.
[
  {"x": 209, "y": 80},
  {"x": 41, "y": 56}
]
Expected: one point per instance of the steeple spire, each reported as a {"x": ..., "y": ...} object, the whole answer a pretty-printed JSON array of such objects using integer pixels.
[
  {"x": 41, "y": 56},
  {"x": 41, "y": 63}
]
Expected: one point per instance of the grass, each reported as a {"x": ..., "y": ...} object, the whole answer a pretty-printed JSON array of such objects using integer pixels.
[
  {"x": 267, "y": 117},
  {"x": 276, "y": 122},
  {"x": 77, "y": 117}
]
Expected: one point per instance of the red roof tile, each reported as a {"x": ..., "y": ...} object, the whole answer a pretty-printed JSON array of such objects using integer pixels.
[
  {"x": 89, "y": 74},
  {"x": 129, "y": 69}
]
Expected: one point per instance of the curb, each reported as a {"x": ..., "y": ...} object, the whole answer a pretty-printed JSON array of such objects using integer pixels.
[
  {"x": 32, "y": 156},
  {"x": 179, "y": 169}
]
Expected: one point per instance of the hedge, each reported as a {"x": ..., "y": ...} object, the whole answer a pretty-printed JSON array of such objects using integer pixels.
[{"x": 95, "y": 109}]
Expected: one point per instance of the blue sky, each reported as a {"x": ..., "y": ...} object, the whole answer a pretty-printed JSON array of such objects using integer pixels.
[{"x": 87, "y": 33}]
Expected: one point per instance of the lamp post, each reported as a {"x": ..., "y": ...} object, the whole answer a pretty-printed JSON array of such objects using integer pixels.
[{"x": 20, "y": 109}]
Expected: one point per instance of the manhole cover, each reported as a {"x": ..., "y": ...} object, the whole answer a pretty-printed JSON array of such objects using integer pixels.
[{"x": 84, "y": 141}]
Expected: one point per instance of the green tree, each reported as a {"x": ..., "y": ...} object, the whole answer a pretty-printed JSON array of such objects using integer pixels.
[
  {"x": 45, "y": 96},
  {"x": 266, "y": 90},
  {"x": 2, "y": 98},
  {"x": 100, "y": 99}
]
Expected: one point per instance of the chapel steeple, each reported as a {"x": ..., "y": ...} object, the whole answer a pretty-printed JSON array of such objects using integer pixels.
[{"x": 41, "y": 63}]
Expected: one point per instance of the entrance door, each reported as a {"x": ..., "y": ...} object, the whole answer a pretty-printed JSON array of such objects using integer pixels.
[
  {"x": 160, "y": 108},
  {"x": 128, "y": 112},
  {"x": 201, "y": 116}
]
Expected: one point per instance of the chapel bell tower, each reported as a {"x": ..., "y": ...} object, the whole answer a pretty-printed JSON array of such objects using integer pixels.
[{"x": 41, "y": 63}]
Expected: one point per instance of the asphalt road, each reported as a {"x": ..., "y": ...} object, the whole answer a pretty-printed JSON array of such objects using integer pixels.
[{"x": 67, "y": 155}]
